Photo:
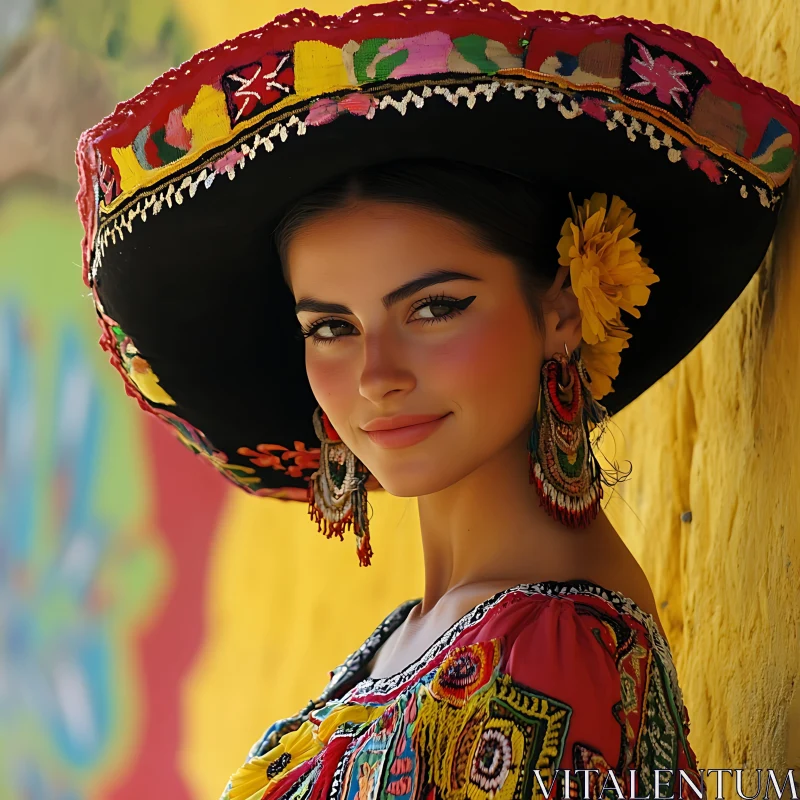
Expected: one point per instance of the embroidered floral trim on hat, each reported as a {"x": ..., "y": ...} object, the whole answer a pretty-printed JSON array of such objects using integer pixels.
[{"x": 138, "y": 370}]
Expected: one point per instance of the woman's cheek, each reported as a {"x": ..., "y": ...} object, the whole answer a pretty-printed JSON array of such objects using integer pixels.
[
  {"x": 484, "y": 361},
  {"x": 331, "y": 382}
]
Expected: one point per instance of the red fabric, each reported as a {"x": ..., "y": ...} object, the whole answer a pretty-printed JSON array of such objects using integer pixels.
[
  {"x": 577, "y": 649},
  {"x": 553, "y": 650},
  {"x": 551, "y": 677}
]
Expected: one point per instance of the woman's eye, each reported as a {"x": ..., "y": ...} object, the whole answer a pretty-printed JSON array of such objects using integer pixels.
[
  {"x": 437, "y": 309},
  {"x": 434, "y": 310},
  {"x": 327, "y": 330}
]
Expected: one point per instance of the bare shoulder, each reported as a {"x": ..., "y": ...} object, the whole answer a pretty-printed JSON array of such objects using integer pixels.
[
  {"x": 614, "y": 567},
  {"x": 641, "y": 593},
  {"x": 632, "y": 582}
]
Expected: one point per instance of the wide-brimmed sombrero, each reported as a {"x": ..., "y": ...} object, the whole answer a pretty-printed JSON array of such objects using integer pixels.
[{"x": 182, "y": 186}]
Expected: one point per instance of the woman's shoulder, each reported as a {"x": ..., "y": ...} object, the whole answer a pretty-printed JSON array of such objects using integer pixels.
[
  {"x": 545, "y": 632},
  {"x": 554, "y": 618},
  {"x": 562, "y": 610},
  {"x": 570, "y": 632},
  {"x": 576, "y": 635}
]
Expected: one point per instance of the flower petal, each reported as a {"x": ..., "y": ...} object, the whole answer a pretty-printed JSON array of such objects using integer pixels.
[{"x": 608, "y": 275}]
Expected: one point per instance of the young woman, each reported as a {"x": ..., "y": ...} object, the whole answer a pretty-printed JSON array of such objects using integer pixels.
[
  {"x": 454, "y": 351},
  {"x": 429, "y": 247}
]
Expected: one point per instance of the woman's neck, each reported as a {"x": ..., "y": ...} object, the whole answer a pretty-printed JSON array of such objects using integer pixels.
[{"x": 488, "y": 530}]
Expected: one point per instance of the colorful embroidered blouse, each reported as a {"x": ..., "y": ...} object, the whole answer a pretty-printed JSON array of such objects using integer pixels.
[{"x": 536, "y": 680}]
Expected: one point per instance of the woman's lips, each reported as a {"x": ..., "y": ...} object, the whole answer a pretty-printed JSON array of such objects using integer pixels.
[{"x": 406, "y": 436}]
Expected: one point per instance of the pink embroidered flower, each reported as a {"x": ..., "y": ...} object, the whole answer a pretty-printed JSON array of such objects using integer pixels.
[
  {"x": 322, "y": 112},
  {"x": 594, "y": 108},
  {"x": 175, "y": 132},
  {"x": 662, "y": 74},
  {"x": 228, "y": 162},
  {"x": 327, "y": 109}
]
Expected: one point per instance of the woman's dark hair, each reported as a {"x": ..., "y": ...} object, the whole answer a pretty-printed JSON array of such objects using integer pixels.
[{"x": 506, "y": 214}]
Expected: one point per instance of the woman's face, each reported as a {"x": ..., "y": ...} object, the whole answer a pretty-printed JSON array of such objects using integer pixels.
[{"x": 390, "y": 338}]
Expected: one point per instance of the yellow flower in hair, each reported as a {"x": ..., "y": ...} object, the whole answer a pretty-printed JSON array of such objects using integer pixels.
[
  {"x": 608, "y": 275},
  {"x": 607, "y": 272},
  {"x": 602, "y": 361}
]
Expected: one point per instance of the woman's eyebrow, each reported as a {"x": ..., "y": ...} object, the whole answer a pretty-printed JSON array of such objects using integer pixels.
[{"x": 395, "y": 296}]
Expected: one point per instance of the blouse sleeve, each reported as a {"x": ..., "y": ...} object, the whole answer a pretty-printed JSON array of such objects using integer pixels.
[{"x": 556, "y": 685}]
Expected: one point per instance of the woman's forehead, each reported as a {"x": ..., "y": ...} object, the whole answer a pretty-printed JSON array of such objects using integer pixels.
[
  {"x": 375, "y": 218},
  {"x": 376, "y": 240}
]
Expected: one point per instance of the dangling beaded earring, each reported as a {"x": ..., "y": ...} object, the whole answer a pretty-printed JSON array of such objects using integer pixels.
[
  {"x": 562, "y": 464},
  {"x": 337, "y": 494}
]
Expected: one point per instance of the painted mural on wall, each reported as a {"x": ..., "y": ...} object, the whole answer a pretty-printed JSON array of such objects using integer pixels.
[
  {"x": 103, "y": 548},
  {"x": 72, "y": 586}
]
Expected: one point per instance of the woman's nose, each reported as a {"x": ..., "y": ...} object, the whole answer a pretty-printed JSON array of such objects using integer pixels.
[{"x": 385, "y": 368}]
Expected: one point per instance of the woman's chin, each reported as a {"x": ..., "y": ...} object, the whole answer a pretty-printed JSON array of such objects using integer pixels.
[{"x": 414, "y": 483}]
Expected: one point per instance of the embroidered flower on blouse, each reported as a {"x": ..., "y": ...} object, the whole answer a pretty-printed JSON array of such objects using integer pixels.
[
  {"x": 255, "y": 776},
  {"x": 258, "y": 775},
  {"x": 608, "y": 275}
]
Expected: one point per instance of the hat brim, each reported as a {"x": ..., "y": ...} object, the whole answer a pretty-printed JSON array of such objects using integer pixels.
[{"x": 198, "y": 287}]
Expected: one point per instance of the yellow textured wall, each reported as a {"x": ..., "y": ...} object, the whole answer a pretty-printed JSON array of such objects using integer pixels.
[
  {"x": 719, "y": 436},
  {"x": 284, "y": 607}
]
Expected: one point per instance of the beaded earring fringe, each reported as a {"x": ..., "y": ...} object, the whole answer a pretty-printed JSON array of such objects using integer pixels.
[
  {"x": 575, "y": 512},
  {"x": 337, "y": 493},
  {"x": 561, "y": 462},
  {"x": 337, "y": 527}
]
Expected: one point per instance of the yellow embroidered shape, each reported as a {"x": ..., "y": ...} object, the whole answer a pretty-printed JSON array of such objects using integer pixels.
[
  {"x": 486, "y": 747},
  {"x": 254, "y": 778}
]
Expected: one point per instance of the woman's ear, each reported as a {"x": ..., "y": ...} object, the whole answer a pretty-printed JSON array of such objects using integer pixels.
[{"x": 562, "y": 320}]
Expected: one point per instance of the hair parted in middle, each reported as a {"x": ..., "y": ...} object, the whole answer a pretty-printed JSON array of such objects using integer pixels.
[{"x": 504, "y": 213}]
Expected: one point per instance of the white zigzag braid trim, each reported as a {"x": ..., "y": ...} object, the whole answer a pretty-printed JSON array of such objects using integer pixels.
[{"x": 227, "y": 164}]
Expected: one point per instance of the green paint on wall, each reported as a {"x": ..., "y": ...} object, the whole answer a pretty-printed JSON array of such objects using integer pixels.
[{"x": 40, "y": 272}]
